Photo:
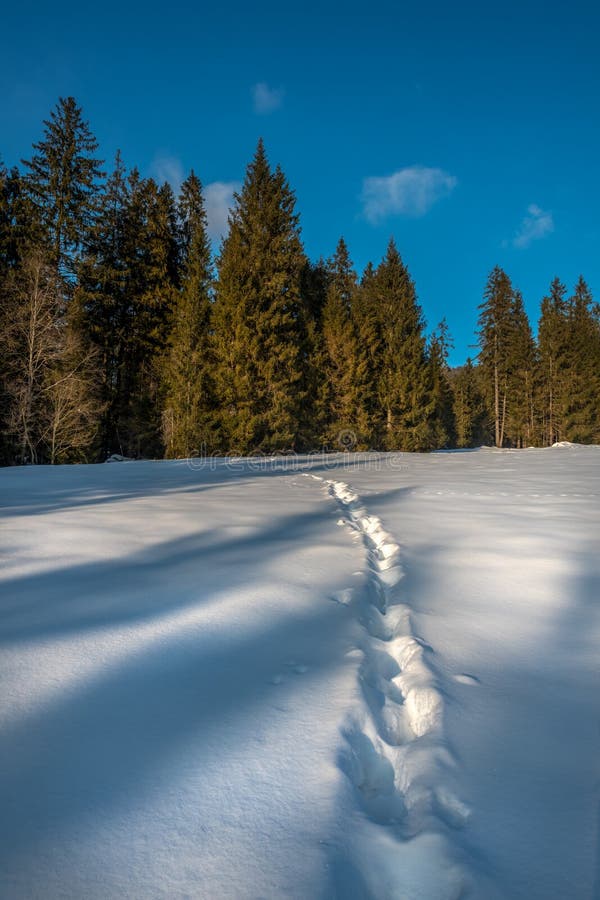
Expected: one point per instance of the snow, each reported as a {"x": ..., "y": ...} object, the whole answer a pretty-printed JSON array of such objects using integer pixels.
[{"x": 368, "y": 676}]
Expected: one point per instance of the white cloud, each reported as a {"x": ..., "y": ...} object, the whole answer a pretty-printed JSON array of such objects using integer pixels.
[
  {"x": 169, "y": 169},
  {"x": 408, "y": 192},
  {"x": 266, "y": 99},
  {"x": 536, "y": 225},
  {"x": 218, "y": 198}
]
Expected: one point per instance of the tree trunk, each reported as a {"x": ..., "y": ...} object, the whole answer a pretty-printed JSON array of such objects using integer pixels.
[
  {"x": 503, "y": 421},
  {"x": 497, "y": 406}
]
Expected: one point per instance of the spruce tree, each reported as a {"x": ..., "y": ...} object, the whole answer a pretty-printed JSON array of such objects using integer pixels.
[
  {"x": 495, "y": 334},
  {"x": 314, "y": 421},
  {"x": 127, "y": 284},
  {"x": 104, "y": 297},
  {"x": 19, "y": 233},
  {"x": 443, "y": 424},
  {"x": 16, "y": 223},
  {"x": 521, "y": 421},
  {"x": 8, "y": 258},
  {"x": 469, "y": 406},
  {"x": 553, "y": 362},
  {"x": 582, "y": 409},
  {"x": 259, "y": 331},
  {"x": 404, "y": 389},
  {"x": 341, "y": 352},
  {"x": 367, "y": 324},
  {"x": 187, "y": 376},
  {"x": 62, "y": 181},
  {"x": 151, "y": 254}
]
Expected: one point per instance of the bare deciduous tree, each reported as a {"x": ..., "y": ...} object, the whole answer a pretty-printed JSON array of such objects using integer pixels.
[
  {"x": 52, "y": 409},
  {"x": 31, "y": 339},
  {"x": 72, "y": 412}
]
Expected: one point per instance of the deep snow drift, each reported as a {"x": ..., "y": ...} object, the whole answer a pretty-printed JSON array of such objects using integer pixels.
[{"x": 368, "y": 677}]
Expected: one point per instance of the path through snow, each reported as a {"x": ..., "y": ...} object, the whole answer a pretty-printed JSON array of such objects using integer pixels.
[{"x": 398, "y": 758}]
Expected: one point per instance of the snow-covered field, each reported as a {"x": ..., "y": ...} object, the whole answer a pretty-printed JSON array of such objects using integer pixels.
[{"x": 367, "y": 677}]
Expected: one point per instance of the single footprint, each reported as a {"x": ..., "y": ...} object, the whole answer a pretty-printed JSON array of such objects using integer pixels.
[
  {"x": 344, "y": 597},
  {"x": 464, "y": 678}
]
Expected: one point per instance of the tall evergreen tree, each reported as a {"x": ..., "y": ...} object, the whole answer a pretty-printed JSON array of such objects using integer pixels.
[
  {"x": 405, "y": 405},
  {"x": 341, "y": 352},
  {"x": 62, "y": 180},
  {"x": 17, "y": 223},
  {"x": 127, "y": 284},
  {"x": 187, "y": 376},
  {"x": 582, "y": 412},
  {"x": 151, "y": 253},
  {"x": 258, "y": 316},
  {"x": 495, "y": 335},
  {"x": 104, "y": 296},
  {"x": 367, "y": 324},
  {"x": 521, "y": 420},
  {"x": 469, "y": 408},
  {"x": 314, "y": 421},
  {"x": 8, "y": 258},
  {"x": 443, "y": 424},
  {"x": 553, "y": 362}
]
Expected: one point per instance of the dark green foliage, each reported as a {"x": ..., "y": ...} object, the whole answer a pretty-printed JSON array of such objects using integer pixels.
[
  {"x": 259, "y": 327},
  {"x": 399, "y": 402},
  {"x": 521, "y": 419},
  {"x": 582, "y": 405},
  {"x": 188, "y": 407},
  {"x": 104, "y": 295},
  {"x": 151, "y": 264},
  {"x": 18, "y": 224},
  {"x": 127, "y": 285},
  {"x": 344, "y": 425},
  {"x": 443, "y": 426},
  {"x": 495, "y": 338},
  {"x": 468, "y": 406},
  {"x": 62, "y": 181},
  {"x": 314, "y": 416},
  {"x": 554, "y": 361},
  {"x": 509, "y": 365}
]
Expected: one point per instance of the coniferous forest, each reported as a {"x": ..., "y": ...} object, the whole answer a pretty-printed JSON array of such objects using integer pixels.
[{"x": 120, "y": 333}]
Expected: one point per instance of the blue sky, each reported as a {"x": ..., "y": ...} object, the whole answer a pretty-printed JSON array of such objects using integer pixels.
[{"x": 469, "y": 131}]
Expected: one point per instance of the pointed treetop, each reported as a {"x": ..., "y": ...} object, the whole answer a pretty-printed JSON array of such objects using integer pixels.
[
  {"x": 441, "y": 340},
  {"x": 582, "y": 291},
  {"x": 556, "y": 297},
  {"x": 340, "y": 262},
  {"x": 368, "y": 273},
  {"x": 260, "y": 161},
  {"x": 392, "y": 254}
]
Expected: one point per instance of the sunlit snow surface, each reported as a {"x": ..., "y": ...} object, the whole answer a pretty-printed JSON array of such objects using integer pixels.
[{"x": 371, "y": 676}]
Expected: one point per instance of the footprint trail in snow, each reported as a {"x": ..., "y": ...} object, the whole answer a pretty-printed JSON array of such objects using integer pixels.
[{"x": 398, "y": 759}]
